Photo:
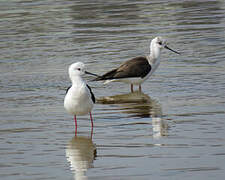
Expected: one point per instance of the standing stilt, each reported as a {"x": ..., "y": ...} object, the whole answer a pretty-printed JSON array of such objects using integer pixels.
[
  {"x": 140, "y": 68},
  {"x": 79, "y": 99},
  {"x": 75, "y": 120},
  {"x": 132, "y": 88}
]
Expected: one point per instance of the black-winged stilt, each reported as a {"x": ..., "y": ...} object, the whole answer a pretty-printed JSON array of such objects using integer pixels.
[
  {"x": 79, "y": 99},
  {"x": 137, "y": 70}
]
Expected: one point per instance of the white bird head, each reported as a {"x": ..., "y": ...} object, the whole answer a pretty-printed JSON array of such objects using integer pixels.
[
  {"x": 159, "y": 43},
  {"x": 76, "y": 69}
]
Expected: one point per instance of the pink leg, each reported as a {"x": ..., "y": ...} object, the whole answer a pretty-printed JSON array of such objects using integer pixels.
[
  {"x": 140, "y": 88},
  {"x": 132, "y": 88},
  {"x": 92, "y": 125},
  {"x": 75, "y": 119}
]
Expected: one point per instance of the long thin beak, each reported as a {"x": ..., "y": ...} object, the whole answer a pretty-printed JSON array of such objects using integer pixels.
[
  {"x": 86, "y": 72},
  {"x": 171, "y": 49}
]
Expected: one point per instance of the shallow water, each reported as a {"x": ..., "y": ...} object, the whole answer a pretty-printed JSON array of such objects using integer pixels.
[{"x": 175, "y": 129}]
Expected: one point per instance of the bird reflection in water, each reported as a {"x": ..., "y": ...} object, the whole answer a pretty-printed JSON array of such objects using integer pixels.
[
  {"x": 138, "y": 104},
  {"x": 81, "y": 153}
]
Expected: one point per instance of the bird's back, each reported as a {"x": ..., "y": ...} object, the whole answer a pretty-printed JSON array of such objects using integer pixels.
[{"x": 136, "y": 67}]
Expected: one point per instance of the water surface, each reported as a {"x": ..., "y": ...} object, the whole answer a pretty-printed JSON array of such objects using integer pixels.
[{"x": 173, "y": 130}]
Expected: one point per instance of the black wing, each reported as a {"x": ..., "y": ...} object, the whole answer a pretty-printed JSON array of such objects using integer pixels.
[
  {"x": 92, "y": 94},
  {"x": 68, "y": 89},
  {"x": 136, "y": 67}
]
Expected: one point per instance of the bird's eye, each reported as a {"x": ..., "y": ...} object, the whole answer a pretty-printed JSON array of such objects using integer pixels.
[
  {"x": 78, "y": 69},
  {"x": 160, "y": 43}
]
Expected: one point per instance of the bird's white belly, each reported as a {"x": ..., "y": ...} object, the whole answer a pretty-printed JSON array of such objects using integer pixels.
[
  {"x": 78, "y": 102},
  {"x": 133, "y": 80}
]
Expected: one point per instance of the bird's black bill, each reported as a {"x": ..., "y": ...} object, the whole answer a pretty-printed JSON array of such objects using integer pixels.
[
  {"x": 86, "y": 72},
  {"x": 171, "y": 49}
]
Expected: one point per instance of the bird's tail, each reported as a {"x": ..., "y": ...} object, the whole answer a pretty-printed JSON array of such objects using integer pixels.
[{"x": 107, "y": 76}]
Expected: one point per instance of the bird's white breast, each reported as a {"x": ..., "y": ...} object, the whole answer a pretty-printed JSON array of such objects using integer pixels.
[{"x": 78, "y": 100}]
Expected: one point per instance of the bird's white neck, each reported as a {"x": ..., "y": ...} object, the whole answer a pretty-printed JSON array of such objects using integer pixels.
[
  {"x": 76, "y": 80},
  {"x": 154, "y": 54}
]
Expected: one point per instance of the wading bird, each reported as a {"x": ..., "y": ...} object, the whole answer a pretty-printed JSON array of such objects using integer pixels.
[
  {"x": 137, "y": 70},
  {"x": 79, "y": 99}
]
